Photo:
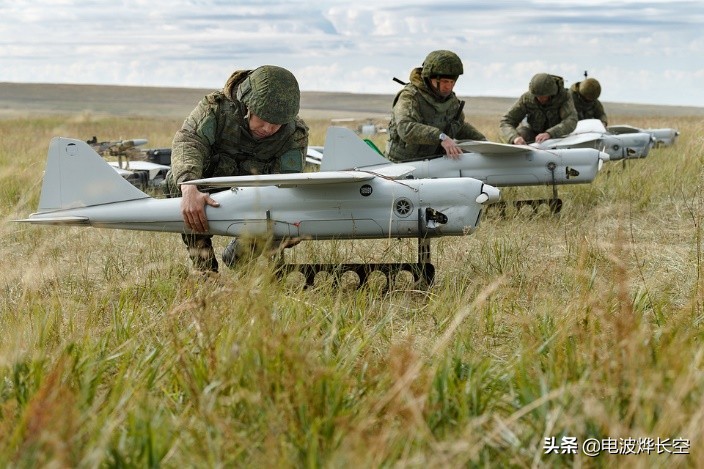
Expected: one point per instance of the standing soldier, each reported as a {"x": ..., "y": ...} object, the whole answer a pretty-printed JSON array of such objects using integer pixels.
[
  {"x": 250, "y": 127},
  {"x": 547, "y": 108},
  {"x": 585, "y": 95},
  {"x": 427, "y": 116}
]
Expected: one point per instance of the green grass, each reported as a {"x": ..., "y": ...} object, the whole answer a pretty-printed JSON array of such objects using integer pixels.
[{"x": 585, "y": 324}]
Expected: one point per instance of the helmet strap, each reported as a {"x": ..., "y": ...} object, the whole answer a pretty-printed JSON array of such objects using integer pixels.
[{"x": 435, "y": 91}]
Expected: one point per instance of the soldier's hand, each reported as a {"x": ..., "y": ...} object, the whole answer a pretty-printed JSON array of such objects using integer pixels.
[
  {"x": 540, "y": 138},
  {"x": 193, "y": 205},
  {"x": 519, "y": 141},
  {"x": 452, "y": 150}
]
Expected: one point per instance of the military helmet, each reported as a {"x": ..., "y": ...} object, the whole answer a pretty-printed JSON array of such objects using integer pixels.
[
  {"x": 543, "y": 84},
  {"x": 271, "y": 93},
  {"x": 590, "y": 89},
  {"x": 442, "y": 63}
]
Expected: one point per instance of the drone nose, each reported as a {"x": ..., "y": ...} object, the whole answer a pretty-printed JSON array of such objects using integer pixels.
[{"x": 490, "y": 194}]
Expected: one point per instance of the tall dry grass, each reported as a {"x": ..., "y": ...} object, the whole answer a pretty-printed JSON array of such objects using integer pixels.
[{"x": 587, "y": 325}]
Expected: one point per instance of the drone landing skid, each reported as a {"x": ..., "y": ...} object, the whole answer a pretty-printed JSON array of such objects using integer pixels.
[
  {"x": 423, "y": 271},
  {"x": 554, "y": 203}
]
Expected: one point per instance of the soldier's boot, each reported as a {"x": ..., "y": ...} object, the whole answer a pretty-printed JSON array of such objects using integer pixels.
[
  {"x": 239, "y": 251},
  {"x": 203, "y": 256},
  {"x": 233, "y": 253}
]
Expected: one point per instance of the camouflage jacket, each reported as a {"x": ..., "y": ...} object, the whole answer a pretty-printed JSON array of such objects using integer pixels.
[
  {"x": 558, "y": 117},
  {"x": 419, "y": 117},
  {"x": 215, "y": 140},
  {"x": 587, "y": 109}
]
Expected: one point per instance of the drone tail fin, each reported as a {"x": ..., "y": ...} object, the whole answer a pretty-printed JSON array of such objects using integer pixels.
[
  {"x": 76, "y": 176},
  {"x": 345, "y": 150}
]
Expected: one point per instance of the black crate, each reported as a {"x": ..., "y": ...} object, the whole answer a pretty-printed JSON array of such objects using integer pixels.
[{"x": 159, "y": 156}]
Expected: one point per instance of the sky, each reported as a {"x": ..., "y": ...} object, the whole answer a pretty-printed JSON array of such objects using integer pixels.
[{"x": 649, "y": 52}]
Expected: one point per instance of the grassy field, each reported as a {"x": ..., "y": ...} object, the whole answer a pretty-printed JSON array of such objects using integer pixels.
[{"x": 583, "y": 325}]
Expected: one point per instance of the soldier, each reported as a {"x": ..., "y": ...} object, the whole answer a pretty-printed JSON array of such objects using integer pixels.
[
  {"x": 585, "y": 95},
  {"x": 548, "y": 109},
  {"x": 427, "y": 116},
  {"x": 250, "y": 127}
]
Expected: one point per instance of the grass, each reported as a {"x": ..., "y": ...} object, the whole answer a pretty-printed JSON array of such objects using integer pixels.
[{"x": 587, "y": 324}]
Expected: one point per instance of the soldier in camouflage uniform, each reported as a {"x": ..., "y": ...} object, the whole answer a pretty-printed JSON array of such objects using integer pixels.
[
  {"x": 547, "y": 108},
  {"x": 585, "y": 95},
  {"x": 250, "y": 127},
  {"x": 427, "y": 116}
]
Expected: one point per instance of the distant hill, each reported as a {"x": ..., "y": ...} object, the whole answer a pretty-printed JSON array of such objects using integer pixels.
[{"x": 20, "y": 99}]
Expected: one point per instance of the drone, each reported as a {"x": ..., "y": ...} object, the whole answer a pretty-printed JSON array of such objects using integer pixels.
[
  {"x": 660, "y": 137},
  {"x": 498, "y": 164},
  {"x": 663, "y": 137},
  {"x": 591, "y": 133},
  {"x": 118, "y": 148},
  {"x": 142, "y": 168},
  {"x": 345, "y": 204}
]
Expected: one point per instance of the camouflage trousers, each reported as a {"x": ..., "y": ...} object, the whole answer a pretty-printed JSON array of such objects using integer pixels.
[
  {"x": 200, "y": 250},
  {"x": 199, "y": 246}
]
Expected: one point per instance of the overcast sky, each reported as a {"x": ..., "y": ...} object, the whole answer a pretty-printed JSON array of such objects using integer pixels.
[{"x": 642, "y": 52}]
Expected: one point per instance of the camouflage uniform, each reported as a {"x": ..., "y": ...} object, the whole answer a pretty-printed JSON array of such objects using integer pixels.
[
  {"x": 215, "y": 140},
  {"x": 420, "y": 116},
  {"x": 587, "y": 109},
  {"x": 558, "y": 117}
]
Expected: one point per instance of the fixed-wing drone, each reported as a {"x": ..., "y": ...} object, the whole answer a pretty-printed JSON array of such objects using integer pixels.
[
  {"x": 142, "y": 174},
  {"x": 79, "y": 188},
  {"x": 591, "y": 133},
  {"x": 664, "y": 137},
  {"x": 131, "y": 163},
  {"x": 498, "y": 164},
  {"x": 119, "y": 148}
]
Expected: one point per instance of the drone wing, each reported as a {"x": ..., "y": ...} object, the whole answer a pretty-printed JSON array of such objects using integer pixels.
[
  {"x": 492, "y": 148},
  {"x": 284, "y": 180},
  {"x": 623, "y": 129},
  {"x": 390, "y": 171}
]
